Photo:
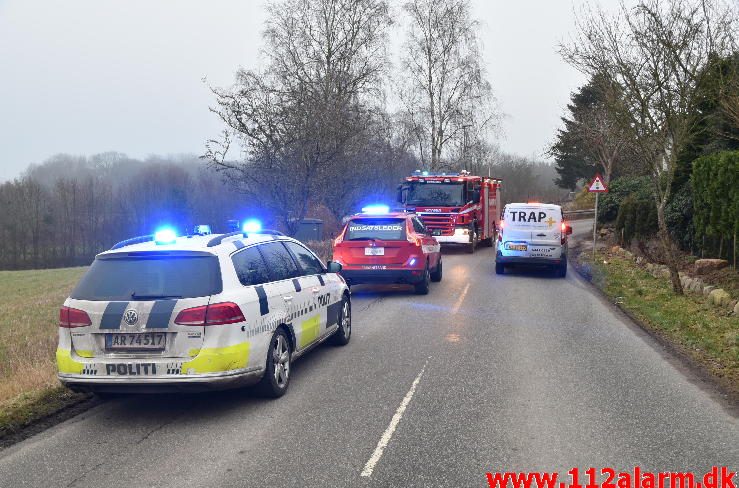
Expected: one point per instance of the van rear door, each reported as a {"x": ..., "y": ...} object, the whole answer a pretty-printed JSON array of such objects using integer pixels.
[
  {"x": 517, "y": 227},
  {"x": 546, "y": 229}
]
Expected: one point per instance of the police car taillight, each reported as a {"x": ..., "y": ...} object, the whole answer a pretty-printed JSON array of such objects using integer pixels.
[
  {"x": 214, "y": 314},
  {"x": 70, "y": 318}
]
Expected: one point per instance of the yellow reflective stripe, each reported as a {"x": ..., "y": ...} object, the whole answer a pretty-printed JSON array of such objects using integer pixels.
[
  {"x": 217, "y": 359},
  {"x": 66, "y": 364},
  {"x": 309, "y": 330},
  {"x": 84, "y": 353}
]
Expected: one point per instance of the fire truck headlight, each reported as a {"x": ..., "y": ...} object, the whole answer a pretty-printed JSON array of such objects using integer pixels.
[{"x": 252, "y": 226}]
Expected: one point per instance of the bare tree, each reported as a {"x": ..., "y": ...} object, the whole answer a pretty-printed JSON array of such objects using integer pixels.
[
  {"x": 444, "y": 90},
  {"x": 657, "y": 52},
  {"x": 297, "y": 117}
]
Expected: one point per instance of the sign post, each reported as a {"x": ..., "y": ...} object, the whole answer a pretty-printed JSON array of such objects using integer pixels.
[{"x": 596, "y": 186}]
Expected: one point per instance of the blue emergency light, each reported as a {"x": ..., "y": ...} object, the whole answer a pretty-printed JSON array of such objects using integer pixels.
[
  {"x": 165, "y": 236},
  {"x": 201, "y": 230},
  {"x": 252, "y": 226},
  {"x": 376, "y": 209}
]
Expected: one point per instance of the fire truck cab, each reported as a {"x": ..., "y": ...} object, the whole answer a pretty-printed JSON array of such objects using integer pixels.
[{"x": 458, "y": 208}]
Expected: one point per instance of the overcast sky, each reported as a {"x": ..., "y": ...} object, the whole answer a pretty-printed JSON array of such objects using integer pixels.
[{"x": 84, "y": 77}]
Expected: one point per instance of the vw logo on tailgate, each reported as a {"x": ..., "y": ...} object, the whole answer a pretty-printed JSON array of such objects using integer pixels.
[{"x": 131, "y": 317}]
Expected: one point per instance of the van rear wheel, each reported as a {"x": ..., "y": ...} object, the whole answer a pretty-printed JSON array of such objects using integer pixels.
[{"x": 561, "y": 269}]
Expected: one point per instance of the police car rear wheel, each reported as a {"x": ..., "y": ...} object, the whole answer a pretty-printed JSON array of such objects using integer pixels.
[
  {"x": 499, "y": 268},
  {"x": 422, "y": 287},
  {"x": 277, "y": 375},
  {"x": 344, "y": 332}
]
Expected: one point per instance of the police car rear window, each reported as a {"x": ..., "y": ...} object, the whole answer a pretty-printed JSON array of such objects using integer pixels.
[
  {"x": 150, "y": 278},
  {"x": 381, "y": 229}
]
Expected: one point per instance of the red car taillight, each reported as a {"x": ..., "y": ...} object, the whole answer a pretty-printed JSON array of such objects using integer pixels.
[
  {"x": 215, "y": 314},
  {"x": 69, "y": 318}
]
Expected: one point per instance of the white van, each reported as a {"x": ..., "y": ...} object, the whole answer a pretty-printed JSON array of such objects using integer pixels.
[{"x": 532, "y": 234}]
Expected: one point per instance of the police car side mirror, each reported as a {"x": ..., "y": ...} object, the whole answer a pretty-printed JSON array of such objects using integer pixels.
[{"x": 334, "y": 267}]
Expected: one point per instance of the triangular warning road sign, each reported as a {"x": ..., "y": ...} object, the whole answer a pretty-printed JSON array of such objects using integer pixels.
[{"x": 597, "y": 185}]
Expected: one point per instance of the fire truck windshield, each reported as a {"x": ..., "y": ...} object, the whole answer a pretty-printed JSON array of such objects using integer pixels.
[{"x": 436, "y": 194}]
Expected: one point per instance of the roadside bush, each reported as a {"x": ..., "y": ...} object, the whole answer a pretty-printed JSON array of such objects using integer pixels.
[
  {"x": 636, "y": 219},
  {"x": 715, "y": 181},
  {"x": 619, "y": 189},
  {"x": 679, "y": 218},
  {"x": 584, "y": 200}
]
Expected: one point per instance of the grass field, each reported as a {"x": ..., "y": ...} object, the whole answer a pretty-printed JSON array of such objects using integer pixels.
[
  {"x": 708, "y": 334},
  {"x": 29, "y": 315}
]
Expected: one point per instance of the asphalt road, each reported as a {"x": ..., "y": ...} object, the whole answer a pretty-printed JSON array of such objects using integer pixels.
[{"x": 516, "y": 372}]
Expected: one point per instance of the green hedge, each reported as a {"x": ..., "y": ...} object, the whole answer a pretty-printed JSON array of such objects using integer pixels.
[
  {"x": 636, "y": 219},
  {"x": 715, "y": 181},
  {"x": 636, "y": 187}
]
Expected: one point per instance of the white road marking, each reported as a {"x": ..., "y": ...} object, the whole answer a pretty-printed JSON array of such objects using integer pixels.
[
  {"x": 459, "y": 301},
  {"x": 388, "y": 434}
]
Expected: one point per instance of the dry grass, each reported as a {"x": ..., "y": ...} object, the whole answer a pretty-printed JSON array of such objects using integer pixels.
[
  {"x": 29, "y": 313},
  {"x": 708, "y": 334}
]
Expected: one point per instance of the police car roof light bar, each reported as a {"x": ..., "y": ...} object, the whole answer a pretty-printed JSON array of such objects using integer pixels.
[
  {"x": 165, "y": 236},
  {"x": 132, "y": 241},
  {"x": 252, "y": 226}
]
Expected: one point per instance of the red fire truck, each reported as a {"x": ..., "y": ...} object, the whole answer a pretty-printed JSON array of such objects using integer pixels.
[{"x": 457, "y": 208}]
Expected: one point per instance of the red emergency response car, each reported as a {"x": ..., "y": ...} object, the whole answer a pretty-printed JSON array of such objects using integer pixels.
[{"x": 380, "y": 246}]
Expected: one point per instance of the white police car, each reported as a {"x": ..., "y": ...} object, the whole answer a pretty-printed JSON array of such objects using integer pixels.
[{"x": 160, "y": 313}]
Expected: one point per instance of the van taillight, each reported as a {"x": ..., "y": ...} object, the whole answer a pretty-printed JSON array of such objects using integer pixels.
[
  {"x": 215, "y": 314},
  {"x": 70, "y": 318},
  {"x": 563, "y": 239}
]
